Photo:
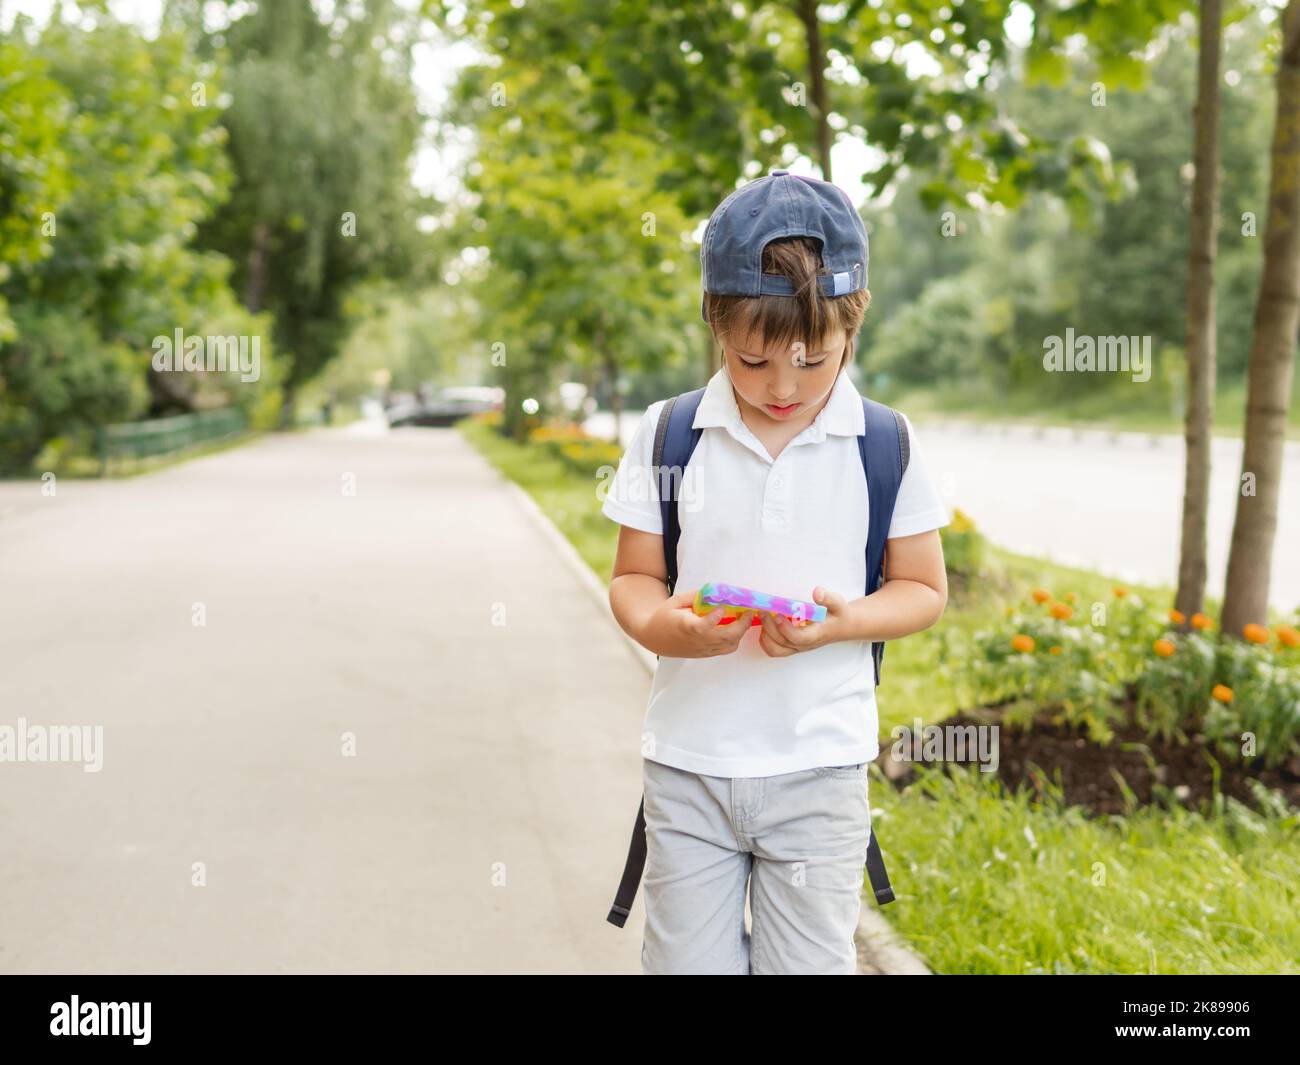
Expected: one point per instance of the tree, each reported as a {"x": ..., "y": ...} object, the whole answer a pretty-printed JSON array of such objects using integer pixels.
[
  {"x": 115, "y": 267},
  {"x": 1201, "y": 377},
  {"x": 715, "y": 87},
  {"x": 322, "y": 122},
  {"x": 584, "y": 251},
  {"x": 1272, "y": 353}
]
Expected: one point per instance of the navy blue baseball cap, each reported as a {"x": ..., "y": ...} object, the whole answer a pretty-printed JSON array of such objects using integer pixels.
[{"x": 782, "y": 204}]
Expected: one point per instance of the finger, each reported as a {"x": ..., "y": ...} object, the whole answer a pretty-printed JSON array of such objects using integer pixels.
[
  {"x": 772, "y": 627},
  {"x": 708, "y": 622},
  {"x": 791, "y": 634},
  {"x": 832, "y": 601}
]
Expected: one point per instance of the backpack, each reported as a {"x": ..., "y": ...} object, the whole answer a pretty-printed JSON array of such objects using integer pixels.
[{"x": 886, "y": 441}]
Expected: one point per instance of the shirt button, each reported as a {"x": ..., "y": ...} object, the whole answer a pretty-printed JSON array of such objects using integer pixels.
[{"x": 776, "y": 483}]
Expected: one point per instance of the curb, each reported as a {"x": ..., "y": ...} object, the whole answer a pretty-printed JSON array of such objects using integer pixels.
[
  {"x": 598, "y": 592},
  {"x": 880, "y": 950}
]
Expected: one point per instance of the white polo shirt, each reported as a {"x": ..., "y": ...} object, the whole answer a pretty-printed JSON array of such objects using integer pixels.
[{"x": 781, "y": 526}]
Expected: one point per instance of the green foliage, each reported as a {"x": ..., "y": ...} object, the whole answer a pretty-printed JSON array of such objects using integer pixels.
[
  {"x": 59, "y": 378},
  {"x": 115, "y": 266},
  {"x": 963, "y": 548},
  {"x": 1227, "y": 689},
  {"x": 35, "y": 115},
  {"x": 1085, "y": 662},
  {"x": 322, "y": 120},
  {"x": 587, "y": 255},
  {"x": 963, "y": 303}
]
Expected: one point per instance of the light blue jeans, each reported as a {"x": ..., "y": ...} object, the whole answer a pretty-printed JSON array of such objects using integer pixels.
[{"x": 798, "y": 839}]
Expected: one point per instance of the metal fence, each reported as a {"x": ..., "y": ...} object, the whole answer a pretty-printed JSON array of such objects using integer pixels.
[{"x": 166, "y": 436}]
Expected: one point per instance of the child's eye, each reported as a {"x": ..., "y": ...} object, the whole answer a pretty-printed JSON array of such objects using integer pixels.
[{"x": 758, "y": 365}]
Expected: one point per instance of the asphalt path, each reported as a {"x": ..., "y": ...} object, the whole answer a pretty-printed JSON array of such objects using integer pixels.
[{"x": 404, "y": 737}]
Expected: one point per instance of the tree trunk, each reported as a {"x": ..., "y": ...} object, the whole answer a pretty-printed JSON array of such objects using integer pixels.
[
  {"x": 816, "y": 66},
  {"x": 1272, "y": 353},
  {"x": 255, "y": 286},
  {"x": 611, "y": 376},
  {"x": 1202, "y": 244},
  {"x": 288, "y": 405}
]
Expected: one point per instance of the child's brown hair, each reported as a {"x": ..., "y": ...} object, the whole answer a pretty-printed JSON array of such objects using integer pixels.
[{"x": 781, "y": 321}]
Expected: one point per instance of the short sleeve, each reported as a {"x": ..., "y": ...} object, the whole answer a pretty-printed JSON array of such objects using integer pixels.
[
  {"x": 919, "y": 507},
  {"x": 632, "y": 498}
]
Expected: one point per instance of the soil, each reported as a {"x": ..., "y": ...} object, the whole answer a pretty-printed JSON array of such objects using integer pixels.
[{"x": 1053, "y": 750}]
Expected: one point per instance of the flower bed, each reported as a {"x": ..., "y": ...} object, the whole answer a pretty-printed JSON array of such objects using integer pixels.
[
  {"x": 1141, "y": 686},
  {"x": 580, "y": 452}
]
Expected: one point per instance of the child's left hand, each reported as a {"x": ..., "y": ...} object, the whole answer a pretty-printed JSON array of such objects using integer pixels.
[{"x": 781, "y": 637}]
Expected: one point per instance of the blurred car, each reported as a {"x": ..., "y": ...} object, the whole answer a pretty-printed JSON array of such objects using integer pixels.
[{"x": 447, "y": 407}]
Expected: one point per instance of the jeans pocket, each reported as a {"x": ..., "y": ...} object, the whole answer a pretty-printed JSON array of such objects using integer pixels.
[{"x": 851, "y": 772}]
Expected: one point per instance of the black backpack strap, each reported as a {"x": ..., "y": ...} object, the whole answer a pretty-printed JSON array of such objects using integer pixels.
[
  {"x": 675, "y": 440},
  {"x": 876, "y": 872},
  {"x": 632, "y": 871},
  {"x": 885, "y": 449}
]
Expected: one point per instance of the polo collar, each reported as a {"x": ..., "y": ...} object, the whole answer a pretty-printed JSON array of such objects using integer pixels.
[{"x": 842, "y": 414}]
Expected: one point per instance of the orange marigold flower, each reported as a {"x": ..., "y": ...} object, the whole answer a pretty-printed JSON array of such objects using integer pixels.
[
  {"x": 1120, "y": 592},
  {"x": 1223, "y": 693},
  {"x": 1055, "y": 650},
  {"x": 1061, "y": 610},
  {"x": 1071, "y": 597},
  {"x": 1177, "y": 617},
  {"x": 1021, "y": 642},
  {"x": 1288, "y": 636},
  {"x": 1041, "y": 595},
  {"x": 1164, "y": 648},
  {"x": 1200, "y": 621},
  {"x": 1255, "y": 633}
]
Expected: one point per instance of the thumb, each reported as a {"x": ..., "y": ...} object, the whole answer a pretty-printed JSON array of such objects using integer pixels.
[{"x": 832, "y": 601}]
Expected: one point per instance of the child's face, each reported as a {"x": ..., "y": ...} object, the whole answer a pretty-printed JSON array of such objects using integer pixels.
[{"x": 784, "y": 386}]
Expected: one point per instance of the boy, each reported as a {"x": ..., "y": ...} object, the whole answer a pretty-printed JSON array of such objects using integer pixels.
[{"x": 756, "y": 744}]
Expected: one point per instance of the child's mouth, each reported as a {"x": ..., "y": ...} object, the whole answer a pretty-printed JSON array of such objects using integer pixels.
[{"x": 780, "y": 412}]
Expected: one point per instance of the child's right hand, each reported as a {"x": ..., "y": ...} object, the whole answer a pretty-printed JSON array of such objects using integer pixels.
[{"x": 676, "y": 631}]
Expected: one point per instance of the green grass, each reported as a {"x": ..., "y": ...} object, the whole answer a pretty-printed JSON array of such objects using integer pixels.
[{"x": 989, "y": 882}]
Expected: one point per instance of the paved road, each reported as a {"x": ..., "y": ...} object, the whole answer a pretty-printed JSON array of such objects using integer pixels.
[
  {"x": 1099, "y": 500},
  {"x": 484, "y": 751}
]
